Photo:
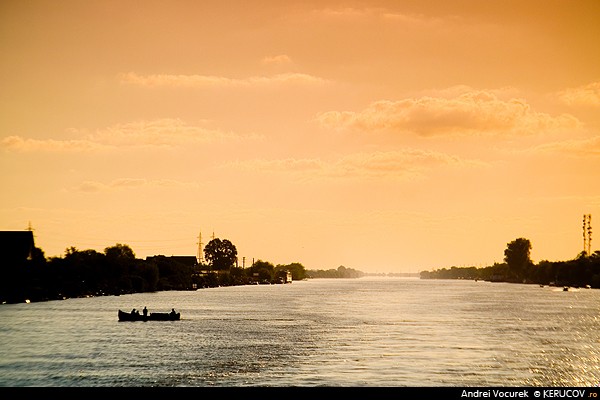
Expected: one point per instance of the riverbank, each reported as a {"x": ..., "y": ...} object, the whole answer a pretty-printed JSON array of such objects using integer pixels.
[{"x": 582, "y": 272}]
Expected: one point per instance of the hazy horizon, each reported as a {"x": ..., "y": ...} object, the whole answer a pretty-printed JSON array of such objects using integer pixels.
[{"x": 384, "y": 136}]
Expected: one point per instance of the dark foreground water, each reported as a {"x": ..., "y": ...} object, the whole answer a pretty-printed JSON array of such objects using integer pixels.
[{"x": 322, "y": 332}]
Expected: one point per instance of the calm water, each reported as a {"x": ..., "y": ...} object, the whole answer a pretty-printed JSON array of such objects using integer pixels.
[{"x": 321, "y": 332}]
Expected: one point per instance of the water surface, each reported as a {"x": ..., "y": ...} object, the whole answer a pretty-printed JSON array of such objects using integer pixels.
[{"x": 320, "y": 332}]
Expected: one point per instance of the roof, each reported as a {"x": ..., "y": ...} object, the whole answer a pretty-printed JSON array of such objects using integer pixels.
[
  {"x": 16, "y": 245},
  {"x": 185, "y": 260}
]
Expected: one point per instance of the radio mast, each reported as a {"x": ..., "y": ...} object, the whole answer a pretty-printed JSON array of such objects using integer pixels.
[
  {"x": 200, "y": 255},
  {"x": 587, "y": 234},
  {"x": 589, "y": 230}
]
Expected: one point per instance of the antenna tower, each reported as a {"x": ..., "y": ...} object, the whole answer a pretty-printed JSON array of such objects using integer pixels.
[
  {"x": 587, "y": 234},
  {"x": 30, "y": 228},
  {"x": 589, "y": 230},
  {"x": 200, "y": 255}
]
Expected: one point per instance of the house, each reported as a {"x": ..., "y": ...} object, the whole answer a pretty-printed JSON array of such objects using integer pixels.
[{"x": 16, "y": 247}]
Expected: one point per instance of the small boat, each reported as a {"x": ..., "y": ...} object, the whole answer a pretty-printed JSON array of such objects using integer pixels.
[{"x": 170, "y": 316}]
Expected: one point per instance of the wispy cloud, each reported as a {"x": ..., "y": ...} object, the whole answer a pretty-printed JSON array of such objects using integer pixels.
[
  {"x": 161, "y": 132},
  {"x": 20, "y": 144},
  {"x": 406, "y": 163},
  {"x": 205, "y": 81},
  {"x": 587, "y": 95},
  {"x": 132, "y": 135},
  {"x": 473, "y": 112},
  {"x": 280, "y": 59},
  {"x": 401, "y": 164},
  {"x": 374, "y": 15},
  {"x": 124, "y": 183},
  {"x": 575, "y": 148}
]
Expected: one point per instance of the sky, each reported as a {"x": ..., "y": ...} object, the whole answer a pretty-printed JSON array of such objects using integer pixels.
[{"x": 384, "y": 136}]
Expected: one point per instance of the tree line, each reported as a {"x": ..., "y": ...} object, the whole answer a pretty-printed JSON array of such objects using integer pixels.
[
  {"x": 582, "y": 271},
  {"x": 339, "y": 272},
  {"x": 117, "y": 270}
]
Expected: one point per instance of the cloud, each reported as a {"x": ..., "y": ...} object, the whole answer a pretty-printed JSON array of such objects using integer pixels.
[
  {"x": 587, "y": 95},
  {"x": 124, "y": 183},
  {"x": 140, "y": 134},
  {"x": 576, "y": 148},
  {"x": 413, "y": 19},
  {"x": 17, "y": 143},
  {"x": 205, "y": 81},
  {"x": 406, "y": 163},
  {"x": 160, "y": 132},
  {"x": 472, "y": 112},
  {"x": 505, "y": 92},
  {"x": 281, "y": 165},
  {"x": 375, "y": 15},
  {"x": 280, "y": 59}
]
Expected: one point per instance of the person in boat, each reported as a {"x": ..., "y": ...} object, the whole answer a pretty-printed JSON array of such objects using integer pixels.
[
  {"x": 133, "y": 312},
  {"x": 172, "y": 312},
  {"x": 145, "y": 311}
]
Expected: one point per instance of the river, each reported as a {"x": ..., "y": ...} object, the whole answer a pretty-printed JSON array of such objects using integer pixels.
[{"x": 372, "y": 332}]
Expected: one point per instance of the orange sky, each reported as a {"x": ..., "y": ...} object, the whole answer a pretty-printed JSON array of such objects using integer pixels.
[{"x": 386, "y": 136}]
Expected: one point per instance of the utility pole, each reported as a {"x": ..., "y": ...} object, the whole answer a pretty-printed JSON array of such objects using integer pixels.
[
  {"x": 200, "y": 253},
  {"x": 584, "y": 233},
  {"x": 30, "y": 229},
  {"x": 587, "y": 234},
  {"x": 589, "y": 229}
]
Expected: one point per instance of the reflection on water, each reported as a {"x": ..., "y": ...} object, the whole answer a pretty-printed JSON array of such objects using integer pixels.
[{"x": 322, "y": 332}]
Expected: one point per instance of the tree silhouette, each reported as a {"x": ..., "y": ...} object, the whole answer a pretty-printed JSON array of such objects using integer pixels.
[
  {"x": 517, "y": 256},
  {"x": 220, "y": 254},
  {"x": 264, "y": 269},
  {"x": 119, "y": 252}
]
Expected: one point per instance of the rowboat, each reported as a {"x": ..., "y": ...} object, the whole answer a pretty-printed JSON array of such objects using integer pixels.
[{"x": 170, "y": 316}]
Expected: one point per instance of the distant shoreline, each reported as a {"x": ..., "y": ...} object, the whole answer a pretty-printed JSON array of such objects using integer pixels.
[{"x": 395, "y": 274}]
